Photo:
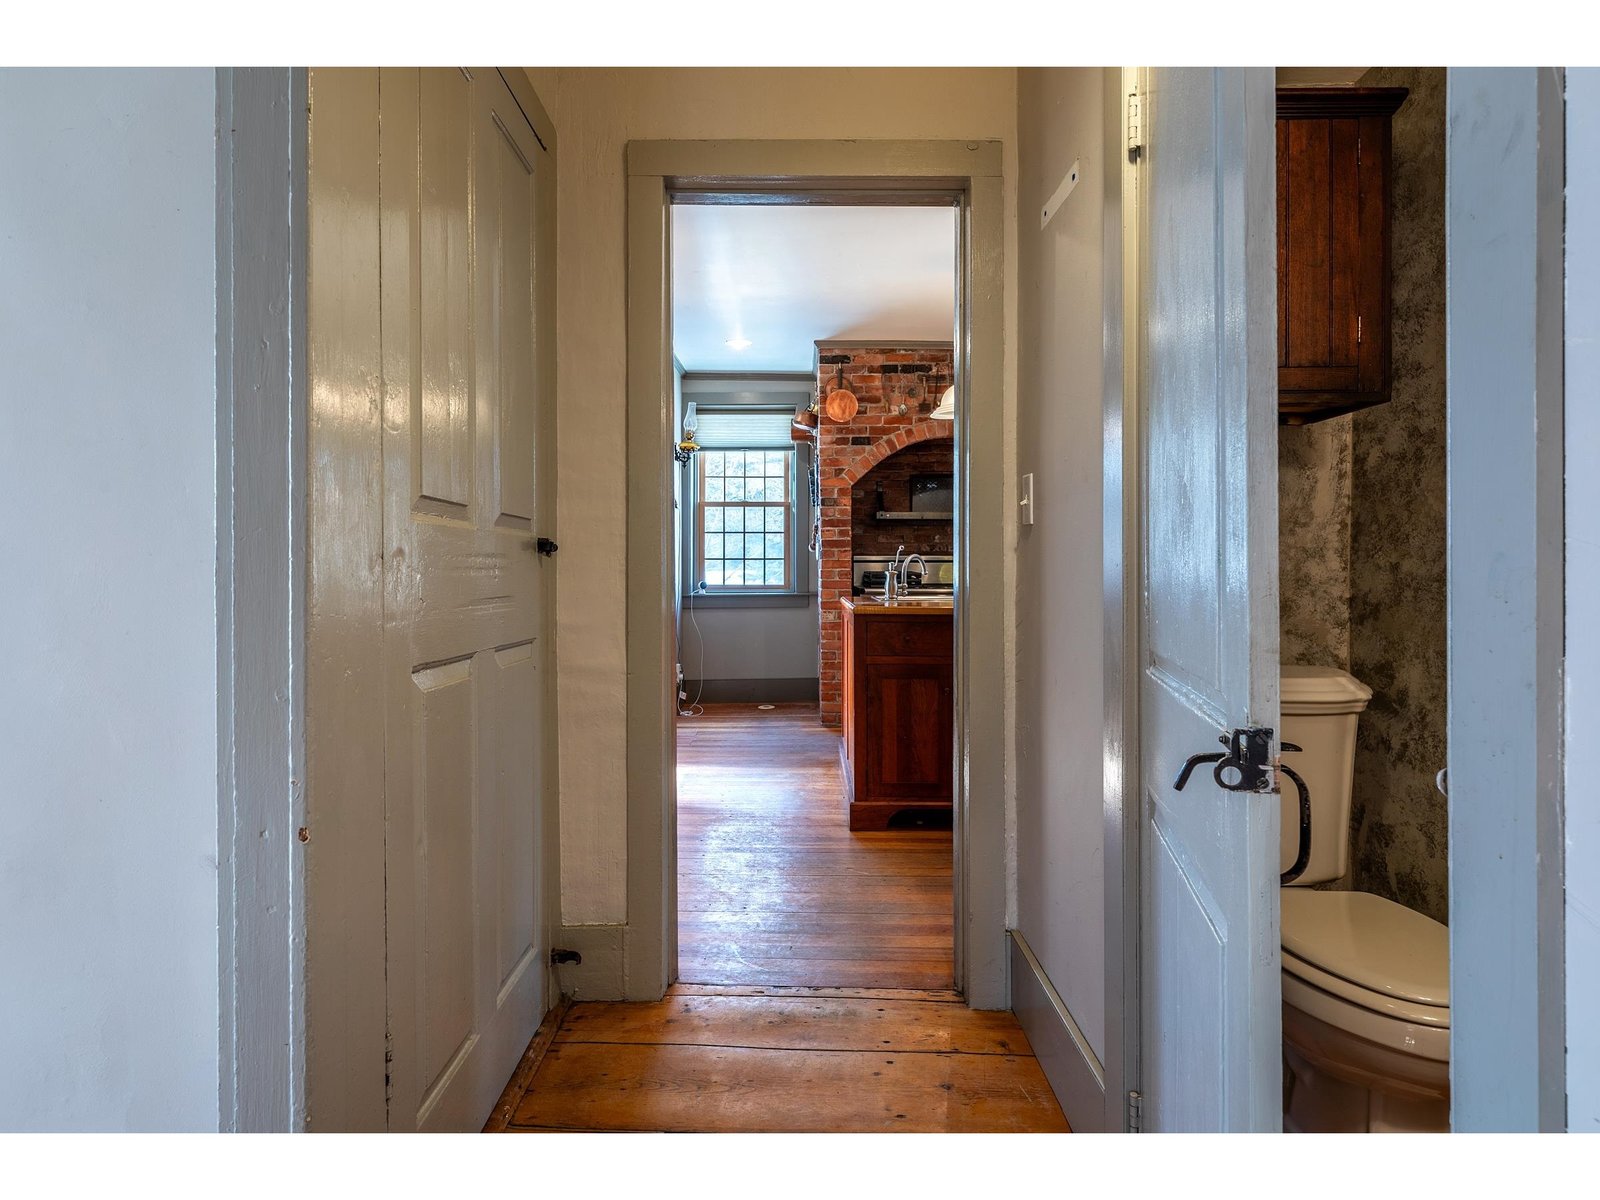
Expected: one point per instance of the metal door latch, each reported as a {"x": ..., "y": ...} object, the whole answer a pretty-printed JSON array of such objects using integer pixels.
[
  {"x": 546, "y": 547},
  {"x": 1245, "y": 766}
]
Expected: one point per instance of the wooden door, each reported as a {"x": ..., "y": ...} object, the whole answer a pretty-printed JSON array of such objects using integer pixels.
[
  {"x": 459, "y": 189},
  {"x": 1209, "y": 659}
]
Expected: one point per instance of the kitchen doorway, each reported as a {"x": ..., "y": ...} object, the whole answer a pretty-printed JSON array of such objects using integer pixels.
[
  {"x": 760, "y": 878},
  {"x": 814, "y": 367}
]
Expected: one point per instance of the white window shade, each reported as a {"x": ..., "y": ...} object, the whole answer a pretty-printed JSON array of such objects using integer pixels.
[{"x": 744, "y": 428}]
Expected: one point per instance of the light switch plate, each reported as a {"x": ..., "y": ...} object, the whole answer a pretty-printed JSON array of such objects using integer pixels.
[{"x": 1025, "y": 501}]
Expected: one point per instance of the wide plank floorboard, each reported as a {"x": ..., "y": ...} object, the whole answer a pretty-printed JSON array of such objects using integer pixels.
[
  {"x": 774, "y": 889},
  {"x": 787, "y": 1063}
]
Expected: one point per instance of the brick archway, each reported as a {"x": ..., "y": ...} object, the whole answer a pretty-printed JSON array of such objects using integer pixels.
[{"x": 843, "y": 465}]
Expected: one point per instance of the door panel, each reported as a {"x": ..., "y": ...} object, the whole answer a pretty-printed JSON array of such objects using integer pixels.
[
  {"x": 443, "y": 462},
  {"x": 1208, "y": 359},
  {"x": 461, "y": 593}
]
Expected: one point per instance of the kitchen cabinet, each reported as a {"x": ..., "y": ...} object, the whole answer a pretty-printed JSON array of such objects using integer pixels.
[
  {"x": 898, "y": 748},
  {"x": 1333, "y": 250}
]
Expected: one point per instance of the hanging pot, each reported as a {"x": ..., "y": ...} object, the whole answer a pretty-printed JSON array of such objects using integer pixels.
[{"x": 841, "y": 404}]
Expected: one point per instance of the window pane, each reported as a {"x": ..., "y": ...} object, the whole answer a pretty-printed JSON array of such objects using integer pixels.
[
  {"x": 775, "y": 520},
  {"x": 775, "y": 546},
  {"x": 752, "y": 545},
  {"x": 713, "y": 574},
  {"x": 713, "y": 489},
  {"x": 775, "y": 572},
  {"x": 753, "y": 463},
  {"x": 732, "y": 573},
  {"x": 713, "y": 545},
  {"x": 713, "y": 519},
  {"x": 754, "y": 518},
  {"x": 735, "y": 489},
  {"x": 733, "y": 519},
  {"x": 777, "y": 462},
  {"x": 711, "y": 462},
  {"x": 755, "y": 488}
]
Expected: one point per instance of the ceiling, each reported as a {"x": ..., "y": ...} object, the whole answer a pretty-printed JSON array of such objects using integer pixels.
[
  {"x": 1320, "y": 76},
  {"x": 786, "y": 276}
]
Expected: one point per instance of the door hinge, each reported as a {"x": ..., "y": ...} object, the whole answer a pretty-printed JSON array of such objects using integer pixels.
[
  {"x": 1135, "y": 126},
  {"x": 1135, "y": 1113}
]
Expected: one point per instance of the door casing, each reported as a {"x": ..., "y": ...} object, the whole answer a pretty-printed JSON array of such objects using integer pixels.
[{"x": 970, "y": 173}]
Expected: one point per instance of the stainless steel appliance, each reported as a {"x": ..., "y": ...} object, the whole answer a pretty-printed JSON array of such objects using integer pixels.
[{"x": 939, "y": 580}]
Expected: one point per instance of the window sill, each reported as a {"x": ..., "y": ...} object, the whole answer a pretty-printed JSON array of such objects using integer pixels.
[{"x": 749, "y": 600}]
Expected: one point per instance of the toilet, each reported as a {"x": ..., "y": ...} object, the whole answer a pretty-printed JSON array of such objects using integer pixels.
[{"x": 1366, "y": 981}]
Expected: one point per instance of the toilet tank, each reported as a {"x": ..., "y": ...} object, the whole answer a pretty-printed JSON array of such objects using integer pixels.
[{"x": 1320, "y": 707}]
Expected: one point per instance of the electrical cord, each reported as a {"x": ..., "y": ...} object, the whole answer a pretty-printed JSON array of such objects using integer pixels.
[{"x": 694, "y": 709}]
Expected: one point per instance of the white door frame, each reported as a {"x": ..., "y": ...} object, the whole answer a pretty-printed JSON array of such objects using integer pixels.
[
  {"x": 1123, "y": 646},
  {"x": 300, "y": 803},
  {"x": 261, "y": 529},
  {"x": 971, "y": 173},
  {"x": 1504, "y": 227}
]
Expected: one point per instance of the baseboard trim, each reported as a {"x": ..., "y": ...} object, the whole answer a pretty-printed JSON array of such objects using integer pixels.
[
  {"x": 599, "y": 976},
  {"x": 1075, "y": 1072},
  {"x": 752, "y": 691}
]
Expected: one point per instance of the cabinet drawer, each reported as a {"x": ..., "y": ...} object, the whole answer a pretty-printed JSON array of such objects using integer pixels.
[{"x": 909, "y": 637}]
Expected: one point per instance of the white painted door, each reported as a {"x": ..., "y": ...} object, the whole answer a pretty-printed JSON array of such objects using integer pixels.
[
  {"x": 465, "y": 951},
  {"x": 1211, "y": 1049}
]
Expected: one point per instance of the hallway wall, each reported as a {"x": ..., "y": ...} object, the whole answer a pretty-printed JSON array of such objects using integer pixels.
[
  {"x": 109, "y": 986},
  {"x": 597, "y": 112},
  {"x": 1060, "y": 901}
]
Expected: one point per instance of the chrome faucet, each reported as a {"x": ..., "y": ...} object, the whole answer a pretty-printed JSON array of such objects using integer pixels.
[{"x": 905, "y": 570}]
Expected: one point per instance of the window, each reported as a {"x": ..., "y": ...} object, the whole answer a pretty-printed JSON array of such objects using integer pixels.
[{"x": 745, "y": 520}]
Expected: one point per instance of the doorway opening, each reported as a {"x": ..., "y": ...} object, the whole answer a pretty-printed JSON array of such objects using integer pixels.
[{"x": 814, "y": 546}]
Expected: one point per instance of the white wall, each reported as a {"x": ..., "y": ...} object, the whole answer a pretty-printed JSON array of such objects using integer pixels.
[
  {"x": 108, "y": 748},
  {"x": 1060, "y": 867},
  {"x": 1582, "y": 587},
  {"x": 597, "y": 111}
]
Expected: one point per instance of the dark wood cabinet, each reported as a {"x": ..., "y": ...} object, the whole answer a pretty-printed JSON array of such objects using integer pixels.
[
  {"x": 899, "y": 712},
  {"x": 1333, "y": 250}
]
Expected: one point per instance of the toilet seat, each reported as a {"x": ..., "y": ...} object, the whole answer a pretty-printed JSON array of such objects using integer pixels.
[
  {"x": 1369, "y": 942},
  {"x": 1368, "y": 966}
]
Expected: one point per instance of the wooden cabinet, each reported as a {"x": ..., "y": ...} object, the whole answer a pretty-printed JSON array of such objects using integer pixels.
[
  {"x": 899, "y": 712},
  {"x": 1333, "y": 250}
]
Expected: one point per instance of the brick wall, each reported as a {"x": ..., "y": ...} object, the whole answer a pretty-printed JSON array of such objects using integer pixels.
[
  {"x": 893, "y": 476},
  {"x": 885, "y": 380}
]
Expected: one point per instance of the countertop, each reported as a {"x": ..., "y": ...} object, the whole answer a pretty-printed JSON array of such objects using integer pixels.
[{"x": 872, "y": 606}]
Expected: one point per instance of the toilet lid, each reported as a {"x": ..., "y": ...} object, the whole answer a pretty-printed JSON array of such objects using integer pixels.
[{"x": 1369, "y": 941}]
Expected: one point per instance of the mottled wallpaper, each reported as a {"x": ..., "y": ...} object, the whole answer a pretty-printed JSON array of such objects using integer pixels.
[{"x": 1362, "y": 520}]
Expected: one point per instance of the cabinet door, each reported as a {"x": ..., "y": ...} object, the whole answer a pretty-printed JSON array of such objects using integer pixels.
[
  {"x": 1320, "y": 255},
  {"x": 907, "y": 727}
]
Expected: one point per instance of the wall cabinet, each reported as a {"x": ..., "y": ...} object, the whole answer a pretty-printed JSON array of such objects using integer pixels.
[
  {"x": 1333, "y": 250},
  {"x": 899, "y": 711}
]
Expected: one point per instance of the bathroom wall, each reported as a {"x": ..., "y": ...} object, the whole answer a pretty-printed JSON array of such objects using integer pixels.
[
  {"x": 1362, "y": 524},
  {"x": 1397, "y": 535}
]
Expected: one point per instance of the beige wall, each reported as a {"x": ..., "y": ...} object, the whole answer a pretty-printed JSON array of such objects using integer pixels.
[
  {"x": 1060, "y": 680},
  {"x": 597, "y": 112}
]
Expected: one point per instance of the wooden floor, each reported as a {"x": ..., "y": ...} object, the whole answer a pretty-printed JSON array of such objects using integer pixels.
[
  {"x": 818, "y": 968},
  {"x": 775, "y": 1060},
  {"x": 774, "y": 889}
]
